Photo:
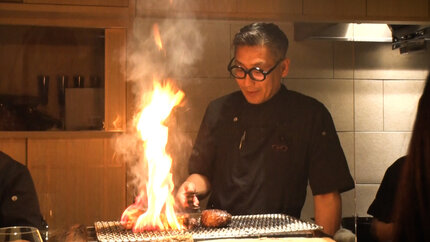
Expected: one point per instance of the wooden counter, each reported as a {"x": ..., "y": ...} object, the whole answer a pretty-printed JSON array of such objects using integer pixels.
[{"x": 295, "y": 239}]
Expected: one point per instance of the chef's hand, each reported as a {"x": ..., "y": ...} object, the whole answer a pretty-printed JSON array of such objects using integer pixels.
[{"x": 186, "y": 195}]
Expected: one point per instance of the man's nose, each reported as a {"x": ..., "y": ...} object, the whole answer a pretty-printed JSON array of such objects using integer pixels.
[{"x": 248, "y": 81}]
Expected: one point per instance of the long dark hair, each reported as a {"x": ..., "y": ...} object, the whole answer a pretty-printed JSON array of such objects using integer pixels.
[{"x": 412, "y": 214}]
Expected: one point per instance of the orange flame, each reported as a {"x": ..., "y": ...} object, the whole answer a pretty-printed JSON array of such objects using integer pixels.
[
  {"x": 157, "y": 36},
  {"x": 154, "y": 207},
  {"x": 117, "y": 123}
]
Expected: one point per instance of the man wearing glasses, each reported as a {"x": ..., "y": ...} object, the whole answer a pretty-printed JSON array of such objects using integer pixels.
[{"x": 258, "y": 148}]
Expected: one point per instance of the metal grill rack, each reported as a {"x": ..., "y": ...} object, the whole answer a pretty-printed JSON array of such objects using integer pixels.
[{"x": 242, "y": 226}]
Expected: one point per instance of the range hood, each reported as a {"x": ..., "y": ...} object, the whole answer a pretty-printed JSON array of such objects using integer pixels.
[
  {"x": 342, "y": 32},
  {"x": 406, "y": 38}
]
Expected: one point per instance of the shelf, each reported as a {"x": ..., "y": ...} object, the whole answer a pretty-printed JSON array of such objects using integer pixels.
[{"x": 58, "y": 134}]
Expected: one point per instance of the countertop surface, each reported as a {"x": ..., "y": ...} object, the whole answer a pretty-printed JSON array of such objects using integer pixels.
[{"x": 295, "y": 239}]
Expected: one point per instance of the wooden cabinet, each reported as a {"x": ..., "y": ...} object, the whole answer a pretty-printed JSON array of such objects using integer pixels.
[
  {"x": 115, "y": 75},
  {"x": 224, "y": 9},
  {"x": 111, "y": 15},
  {"x": 119, "y": 13},
  {"x": 335, "y": 8},
  {"x": 398, "y": 8},
  {"x": 78, "y": 180},
  {"x": 62, "y": 15},
  {"x": 185, "y": 6},
  {"x": 289, "y": 10},
  {"x": 114, "y": 3},
  {"x": 33, "y": 60},
  {"x": 28, "y": 52},
  {"x": 293, "y": 7}
]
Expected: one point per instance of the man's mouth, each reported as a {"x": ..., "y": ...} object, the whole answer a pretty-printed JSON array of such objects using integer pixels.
[{"x": 251, "y": 92}]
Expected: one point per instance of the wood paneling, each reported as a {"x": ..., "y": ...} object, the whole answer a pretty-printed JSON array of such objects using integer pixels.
[
  {"x": 63, "y": 15},
  {"x": 115, "y": 74},
  {"x": 270, "y": 6},
  {"x": 350, "y": 8},
  {"x": 289, "y": 10},
  {"x": 78, "y": 181},
  {"x": 112, "y": 3},
  {"x": 187, "y": 5},
  {"x": 15, "y": 148},
  {"x": 398, "y": 8},
  {"x": 224, "y": 9},
  {"x": 117, "y": 13},
  {"x": 178, "y": 6}
]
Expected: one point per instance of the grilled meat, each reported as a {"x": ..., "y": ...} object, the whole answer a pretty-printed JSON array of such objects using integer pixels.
[
  {"x": 130, "y": 217},
  {"x": 189, "y": 222},
  {"x": 215, "y": 218}
]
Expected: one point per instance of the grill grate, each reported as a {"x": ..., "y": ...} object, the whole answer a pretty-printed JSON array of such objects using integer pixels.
[{"x": 242, "y": 226}]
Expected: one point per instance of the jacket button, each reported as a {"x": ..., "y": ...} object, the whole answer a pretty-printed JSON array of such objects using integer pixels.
[{"x": 14, "y": 198}]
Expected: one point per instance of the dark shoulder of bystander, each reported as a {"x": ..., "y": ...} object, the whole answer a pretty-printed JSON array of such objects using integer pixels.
[
  {"x": 382, "y": 206},
  {"x": 19, "y": 204}
]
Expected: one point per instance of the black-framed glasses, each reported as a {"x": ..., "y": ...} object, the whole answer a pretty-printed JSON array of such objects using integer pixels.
[{"x": 255, "y": 73}]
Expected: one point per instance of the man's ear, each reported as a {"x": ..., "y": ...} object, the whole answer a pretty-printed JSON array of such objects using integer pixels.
[{"x": 285, "y": 67}]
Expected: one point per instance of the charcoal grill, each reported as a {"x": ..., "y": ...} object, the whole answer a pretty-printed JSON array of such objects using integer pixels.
[{"x": 241, "y": 226}]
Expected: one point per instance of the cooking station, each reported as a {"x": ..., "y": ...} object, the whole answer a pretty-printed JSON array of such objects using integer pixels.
[
  {"x": 109, "y": 48},
  {"x": 241, "y": 226}
]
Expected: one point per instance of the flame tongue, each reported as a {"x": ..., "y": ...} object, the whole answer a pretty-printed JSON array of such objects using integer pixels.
[
  {"x": 153, "y": 208},
  {"x": 157, "y": 36}
]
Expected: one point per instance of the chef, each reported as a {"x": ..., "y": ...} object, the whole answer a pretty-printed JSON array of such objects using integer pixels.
[{"x": 258, "y": 148}]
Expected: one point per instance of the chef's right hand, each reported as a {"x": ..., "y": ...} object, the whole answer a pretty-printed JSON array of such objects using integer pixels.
[{"x": 186, "y": 195}]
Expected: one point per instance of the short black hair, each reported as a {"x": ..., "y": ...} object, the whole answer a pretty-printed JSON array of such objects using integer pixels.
[{"x": 264, "y": 34}]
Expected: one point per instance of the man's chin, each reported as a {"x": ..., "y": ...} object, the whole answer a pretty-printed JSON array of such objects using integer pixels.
[{"x": 253, "y": 100}]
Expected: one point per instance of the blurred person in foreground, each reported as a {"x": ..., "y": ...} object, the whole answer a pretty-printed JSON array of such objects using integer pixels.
[
  {"x": 19, "y": 204},
  {"x": 382, "y": 207},
  {"x": 412, "y": 211},
  {"x": 258, "y": 148}
]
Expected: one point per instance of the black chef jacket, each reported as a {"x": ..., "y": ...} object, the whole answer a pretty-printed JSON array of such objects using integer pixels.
[
  {"x": 382, "y": 207},
  {"x": 259, "y": 158},
  {"x": 18, "y": 199}
]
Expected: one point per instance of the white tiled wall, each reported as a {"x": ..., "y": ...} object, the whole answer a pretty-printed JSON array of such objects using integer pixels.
[
  {"x": 375, "y": 151},
  {"x": 369, "y": 102},
  {"x": 400, "y": 104},
  {"x": 370, "y": 90},
  {"x": 364, "y": 194}
]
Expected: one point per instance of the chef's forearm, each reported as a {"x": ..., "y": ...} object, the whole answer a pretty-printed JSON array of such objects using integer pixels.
[
  {"x": 201, "y": 183},
  {"x": 328, "y": 211}
]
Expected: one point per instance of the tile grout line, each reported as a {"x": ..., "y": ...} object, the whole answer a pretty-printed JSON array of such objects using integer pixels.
[
  {"x": 354, "y": 136},
  {"x": 383, "y": 105}
]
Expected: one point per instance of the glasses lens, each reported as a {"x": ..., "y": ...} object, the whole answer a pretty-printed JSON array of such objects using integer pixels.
[
  {"x": 237, "y": 72},
  {"x": 257, "y": 75}
]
